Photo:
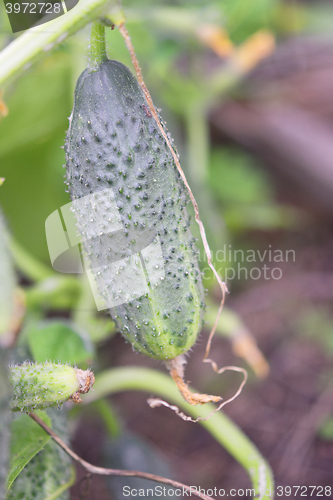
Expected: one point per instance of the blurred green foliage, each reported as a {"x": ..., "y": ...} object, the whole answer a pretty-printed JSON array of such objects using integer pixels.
[
  {"x": 172, "y": 57},
  {"x": 326, "y": 429},
  {"x": 316, "y": 322},
  {"x": 30, "y": 140},
  {"x": 235, "y": 194},
  {"x": 60, "y": 340},
  {"x": 26, "y": 441},
  {"x": 235, "y": 178}
]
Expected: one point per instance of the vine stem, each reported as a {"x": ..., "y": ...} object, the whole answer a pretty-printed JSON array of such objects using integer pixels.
[
  {"x": 222, "y": 428},
  {"x": 97, "y": 46},
  {"x": 36, "y": 43},
  {"x": 93, "y": 469}
]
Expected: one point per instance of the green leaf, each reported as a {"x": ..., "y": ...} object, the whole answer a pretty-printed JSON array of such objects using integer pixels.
[
  {"x": 27, "y": 439},
  {"x": 59, "y": 341},
  {"x": 49, "y": 474},
  {"x": 63, "y": 487},
  {"x": 5, "y": 419}
]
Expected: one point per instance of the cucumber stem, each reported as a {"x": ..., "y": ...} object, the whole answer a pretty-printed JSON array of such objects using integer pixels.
[
  {"x": 221, "y": 427},
  {"x": 36, "y": 43},
  {"x": 97, "y": 46}
]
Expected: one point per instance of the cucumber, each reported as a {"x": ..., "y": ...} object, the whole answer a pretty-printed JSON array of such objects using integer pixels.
[
  {"x": 130, "y": 206},
  {"x": 38, "y": 386}
]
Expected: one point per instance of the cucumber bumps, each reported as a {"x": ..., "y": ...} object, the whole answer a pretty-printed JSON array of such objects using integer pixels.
[{"x": 129, "y": 202}]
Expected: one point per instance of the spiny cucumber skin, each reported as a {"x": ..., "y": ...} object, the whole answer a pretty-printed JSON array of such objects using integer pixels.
[
  {"x": 38, "y": 386},
  {"x": 113, "y": 142}
]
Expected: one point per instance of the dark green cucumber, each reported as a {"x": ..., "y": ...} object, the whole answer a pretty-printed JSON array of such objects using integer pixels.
[{"x": 116, "y": 154}]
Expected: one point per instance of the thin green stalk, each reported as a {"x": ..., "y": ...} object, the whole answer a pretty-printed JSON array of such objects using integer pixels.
[
  {"x": 97, "y": 46},
  {"x": 57, "y": 292},
  {"x": 84, "y": 313},
  {"x": 35, "y": 44},
  {"x": 219, "y": 425},
  {"x": 198, "y": 165},
  {"x": 7, "y": 285},
  {"x": 28, "y": 264},
  {"x": 198, "y": 140},
  {"x": 109, "y": 417},
  {"x": 85, "y": 309}
]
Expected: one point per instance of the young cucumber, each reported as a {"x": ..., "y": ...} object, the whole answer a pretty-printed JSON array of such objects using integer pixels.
[
  {"x": 39, "y": 385},
  {"x": 133, "y": 219}
]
